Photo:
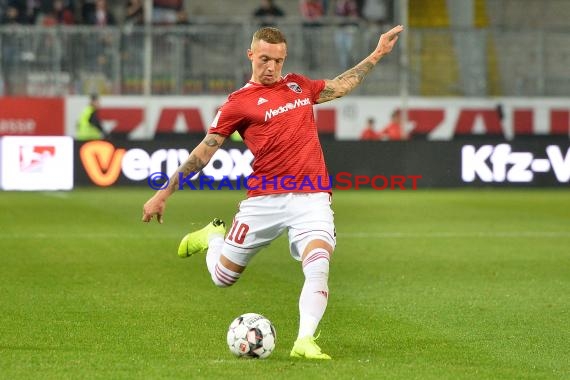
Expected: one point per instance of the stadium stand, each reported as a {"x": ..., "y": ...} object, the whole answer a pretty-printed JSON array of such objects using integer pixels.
[{"x": 496, "y": 55}]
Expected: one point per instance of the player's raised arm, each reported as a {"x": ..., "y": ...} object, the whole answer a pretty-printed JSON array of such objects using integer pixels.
[
  {"x": 195, "y": 162},
  {"x": 350, "y": 79}
]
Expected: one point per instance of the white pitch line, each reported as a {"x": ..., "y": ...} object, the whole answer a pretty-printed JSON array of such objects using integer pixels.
[{"x": 56, "y": 194}]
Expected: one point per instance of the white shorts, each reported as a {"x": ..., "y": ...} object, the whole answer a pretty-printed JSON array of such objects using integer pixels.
[{"x": 260, "y": 220}]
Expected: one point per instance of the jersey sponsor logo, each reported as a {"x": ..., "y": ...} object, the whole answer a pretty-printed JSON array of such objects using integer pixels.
[
  {"x": 294, "y": 87},
  {"x": 286, "y": 108},
  {"x": 261, "y": 101}
]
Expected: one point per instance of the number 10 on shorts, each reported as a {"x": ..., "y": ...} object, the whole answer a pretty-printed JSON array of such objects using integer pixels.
[{"x": 238, "y": 232}]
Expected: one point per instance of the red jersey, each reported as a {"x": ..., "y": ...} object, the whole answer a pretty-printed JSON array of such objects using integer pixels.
[
  {"x": 277, "y": 124},
  {"x": 392, "y": 131}
]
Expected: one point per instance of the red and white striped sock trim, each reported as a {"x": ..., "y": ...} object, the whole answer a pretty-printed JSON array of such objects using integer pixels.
[
  {"x": 225, "y": 276},
  {"x": 314, "y": 255}
]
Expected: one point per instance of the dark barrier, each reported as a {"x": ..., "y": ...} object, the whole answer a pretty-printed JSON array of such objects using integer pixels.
[{"x": 401, "y": 165}]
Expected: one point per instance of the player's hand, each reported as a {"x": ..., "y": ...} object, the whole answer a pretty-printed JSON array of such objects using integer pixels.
[
  {"x": 388, "y": 40},
  {"x": 154, "y": 207}
]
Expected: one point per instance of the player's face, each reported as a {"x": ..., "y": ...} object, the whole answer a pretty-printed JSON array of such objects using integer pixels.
[{"x": 266, "y": 61}]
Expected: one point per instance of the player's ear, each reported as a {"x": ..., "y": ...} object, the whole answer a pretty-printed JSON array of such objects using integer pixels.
[{"x": 250, "y": 54}]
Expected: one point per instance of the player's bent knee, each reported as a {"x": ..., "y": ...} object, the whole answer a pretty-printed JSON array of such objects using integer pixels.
[
  {"x": 223, "y": 277},
  {"x": 316, "y": 263},
  {"x": 316, "y": 244}
]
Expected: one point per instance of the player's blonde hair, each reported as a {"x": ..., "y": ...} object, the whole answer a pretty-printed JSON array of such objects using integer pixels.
[{"x": 270, "y": 35}]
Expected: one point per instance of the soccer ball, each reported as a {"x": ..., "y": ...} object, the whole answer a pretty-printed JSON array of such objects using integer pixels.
[{"x": 251, "y": 335}]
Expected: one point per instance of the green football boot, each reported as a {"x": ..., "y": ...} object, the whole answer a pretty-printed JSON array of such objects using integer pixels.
[
  {"x": 197, "y": 242},
  {"x": 308, "y": 349}
]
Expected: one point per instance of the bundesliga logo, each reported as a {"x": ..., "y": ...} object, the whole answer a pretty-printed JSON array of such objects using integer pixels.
[{"x": 35, "y": 158}]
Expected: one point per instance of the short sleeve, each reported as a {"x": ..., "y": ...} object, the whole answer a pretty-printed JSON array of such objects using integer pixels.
[
  {"x": 317, "y": 87},
  {"x": 227, "y": 119}
]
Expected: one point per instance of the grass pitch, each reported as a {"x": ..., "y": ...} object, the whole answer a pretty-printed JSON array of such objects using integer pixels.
[{"x": 424, "y": 285}]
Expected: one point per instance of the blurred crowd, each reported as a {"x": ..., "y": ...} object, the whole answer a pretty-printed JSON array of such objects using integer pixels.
[
  {"x": 88, "y": 12},
  {"x": 113, "y": 57},
  {"x": 168, "y": 12},
  {"x": 318, "y": 11}
]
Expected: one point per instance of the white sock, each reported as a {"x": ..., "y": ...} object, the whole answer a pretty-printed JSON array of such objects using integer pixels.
[
  {"x": 214, "y": 252},
  {"x": 315, "y": 293},
  {"x": 221, "y": 276}
]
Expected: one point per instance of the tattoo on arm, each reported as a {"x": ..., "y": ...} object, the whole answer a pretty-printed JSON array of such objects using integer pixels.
[
  {"x": 327, "y": 94},
  {"x": 211, "y": 142},
  {"x": 351, "y": 78},
  {"x": 346, "y": 82},
  {"x": 192, "y": 165}
]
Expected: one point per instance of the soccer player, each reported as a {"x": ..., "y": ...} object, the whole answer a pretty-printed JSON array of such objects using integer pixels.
[{"x": 289, "y": 188}]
